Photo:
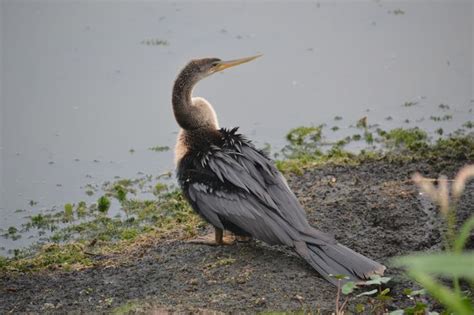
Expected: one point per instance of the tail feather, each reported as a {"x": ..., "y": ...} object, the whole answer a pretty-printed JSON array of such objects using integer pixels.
[{"x": 337, "y": 259}]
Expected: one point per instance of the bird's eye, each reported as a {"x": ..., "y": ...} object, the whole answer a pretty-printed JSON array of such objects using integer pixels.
[{"x": 215, "y": 63}]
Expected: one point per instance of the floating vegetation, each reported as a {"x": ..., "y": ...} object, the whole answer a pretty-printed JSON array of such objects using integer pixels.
[
  {"x": 121, "y": 193},
  {"x": 439, "y": 131},
  {"x": 335, "y": 128},
  {"x": 362, "y": 123},
  {"x": 388, "y": 118},
  {"x": 303, "y": 141},
  {"x": 159, "y": 188},
  {"x": 12, "y": 233},
  {"x": 469, "y": 124},
  {"x": 443, "y": 106},
  {"x": 33, "y": 203},
  {"x": 103, "y": 204},
  {"x": 159, "y": 148},
  {"x": 68, "y": 212},
  {"x": 441, "y": 118},
  {"x": 131, "y": 151},
  {"x": 267, "y": 148},
  {"x": 101, "y": 235},
  {"x": 398, "y": 138},
  {"x": 301, "y": 135},
  {"x": 39, "y": 221},
  {"x": 398, "y": 143},
  {"x": 91, "y": 189},
  {"x": 397, "y": 12},
  {"x": 337, "y": 118},
  {"x": 409, "y": 104},
  {"x": 155, "y": 42},
  {"x": 369, "y": 137},
  {"x": 81, "y": 209}
]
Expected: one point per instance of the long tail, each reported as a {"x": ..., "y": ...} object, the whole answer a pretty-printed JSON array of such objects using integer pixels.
[{"x": 333, "y": 258}]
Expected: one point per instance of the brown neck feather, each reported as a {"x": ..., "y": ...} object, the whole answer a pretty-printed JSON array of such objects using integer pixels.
[{"x": 182, "y": 99}]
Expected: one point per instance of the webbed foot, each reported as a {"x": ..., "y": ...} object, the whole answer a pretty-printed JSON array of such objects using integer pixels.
[{"x": 214, "y": 239}]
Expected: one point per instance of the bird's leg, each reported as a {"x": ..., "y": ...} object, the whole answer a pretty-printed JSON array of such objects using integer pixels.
[
  {"x": 218, "y": 235},
  {"x": 213, "y": 239}
]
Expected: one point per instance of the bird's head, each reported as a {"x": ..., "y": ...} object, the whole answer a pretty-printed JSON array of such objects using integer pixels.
[
  {"x": 201, "y": 68},
  {"x": 193, "y": 113}
]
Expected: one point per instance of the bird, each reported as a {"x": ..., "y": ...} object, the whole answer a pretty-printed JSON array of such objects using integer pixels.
[{"x": 237, "y": 188}]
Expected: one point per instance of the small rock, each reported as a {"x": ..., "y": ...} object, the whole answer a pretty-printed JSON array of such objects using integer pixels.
[
  {"x": 261, "y": 301},
  {"x": 48, "y": 305}
]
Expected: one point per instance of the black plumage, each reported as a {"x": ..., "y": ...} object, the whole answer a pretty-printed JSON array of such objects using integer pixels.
[{"x": 236, "y": 187}]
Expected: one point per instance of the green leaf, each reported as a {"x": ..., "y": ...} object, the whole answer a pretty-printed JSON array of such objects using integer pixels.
[
  {"x": 417, "y": 292},
  {"x": 407, "y": 291},
  {"x": 447, "y": 297},
  {"x": 376, "y": 279},
  {"x": 348, "y": 287},
  {"x": 444, "y": 264},
  {"x": 339, "y": 277},
  {"x": 359, "y": 308},
  {"x": 372, "y": 292},
  {"x": 463, "y": 235},
  {"x": 384, "y": 292}
]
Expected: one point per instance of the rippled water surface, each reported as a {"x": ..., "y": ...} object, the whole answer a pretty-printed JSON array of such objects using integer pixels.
[{"x": 85, "y": 86}]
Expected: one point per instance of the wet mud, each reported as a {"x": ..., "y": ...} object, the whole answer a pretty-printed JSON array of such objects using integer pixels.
[{"x": 373, "y": 208}]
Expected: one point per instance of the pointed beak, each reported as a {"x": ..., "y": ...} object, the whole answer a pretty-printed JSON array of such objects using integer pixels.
[{"x": 232, "y": 63}]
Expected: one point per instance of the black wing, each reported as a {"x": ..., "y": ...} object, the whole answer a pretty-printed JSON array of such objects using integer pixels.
[{"x": 236, "y": 187}]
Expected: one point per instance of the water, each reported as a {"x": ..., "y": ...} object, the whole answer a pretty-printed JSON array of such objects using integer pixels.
[{"x": 83, "y": 83}]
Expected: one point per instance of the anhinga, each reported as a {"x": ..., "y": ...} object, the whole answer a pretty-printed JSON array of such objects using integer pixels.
[{"x": 237, "y": 188}]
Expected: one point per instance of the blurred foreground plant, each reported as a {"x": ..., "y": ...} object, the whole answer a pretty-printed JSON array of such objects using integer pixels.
[{"x": 453, "y": 262}]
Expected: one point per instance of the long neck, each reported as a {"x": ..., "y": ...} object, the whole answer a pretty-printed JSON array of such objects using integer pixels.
[{"x": 182, "y": 100}]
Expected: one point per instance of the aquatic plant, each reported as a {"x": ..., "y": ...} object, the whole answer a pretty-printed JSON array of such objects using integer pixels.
[
  {"x": 441, "y": 118},
  {"x": 68, "y": 212},
  {"x": 147, "y": 221},
  {"x": 103, "y": 204},
  {"x": 159, "y": 148},
  {"x": 469, "y": 124},
  {"x": 155, "y": 42},
  {"x": 409, "y": 104},
  {"x": 159, "y": 188},
  {"x": 303, "y": 135}
]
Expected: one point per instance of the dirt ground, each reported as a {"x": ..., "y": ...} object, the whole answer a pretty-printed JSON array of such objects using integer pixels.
[{"x": 372, "y": 208}]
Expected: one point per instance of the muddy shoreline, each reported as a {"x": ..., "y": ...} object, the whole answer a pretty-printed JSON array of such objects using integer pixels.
[{"x": 372, "y": 208}]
